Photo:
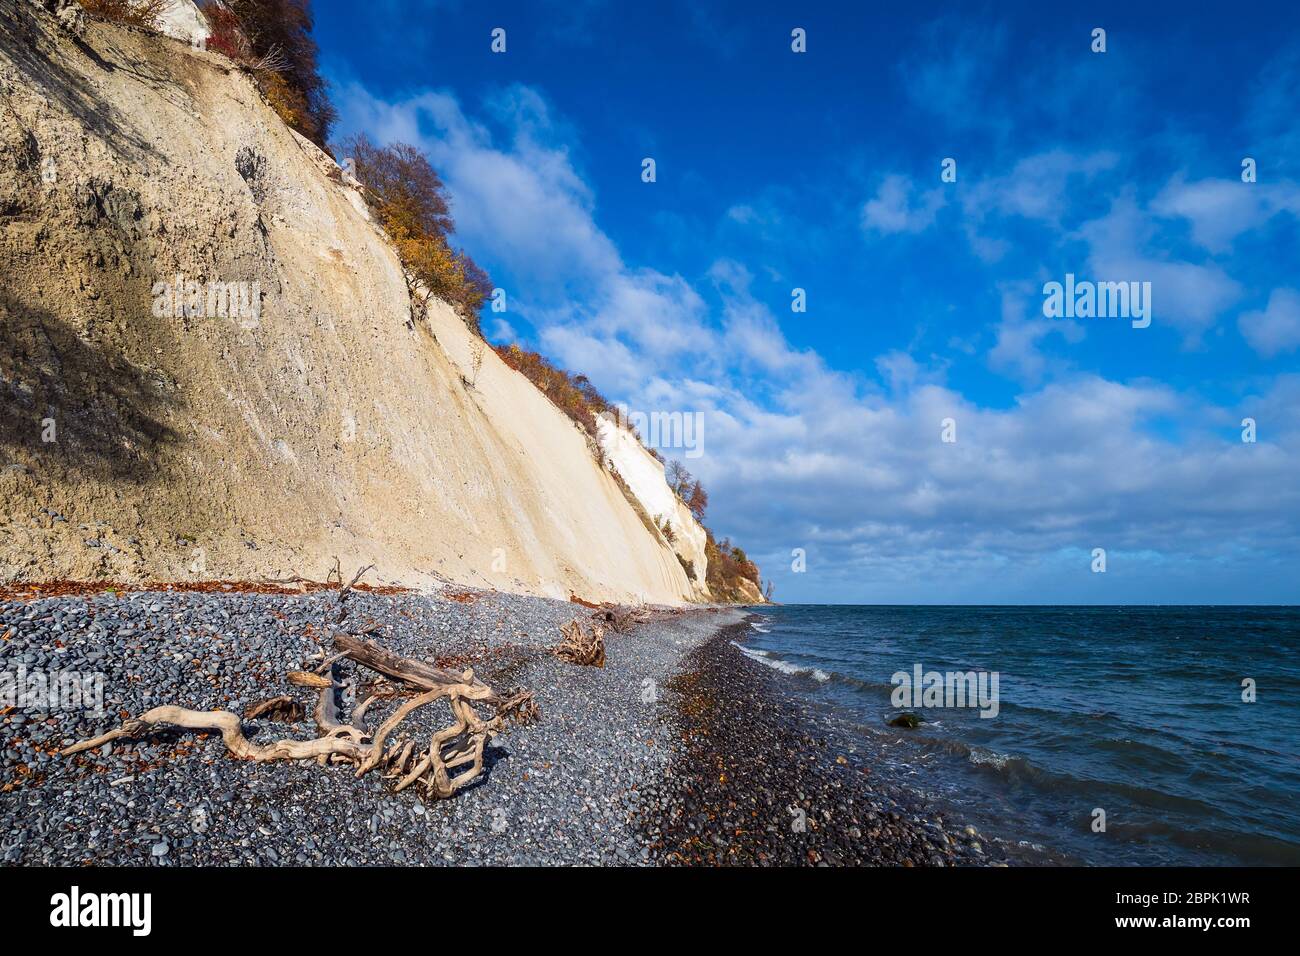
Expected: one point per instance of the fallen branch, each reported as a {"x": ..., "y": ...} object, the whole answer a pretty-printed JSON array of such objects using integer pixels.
[
  {"x": 308, "y": 679},
  {"x": 283, "y": 709},
  {"x": 516, "y": 704},
  {"x": 231, "y": 730}
]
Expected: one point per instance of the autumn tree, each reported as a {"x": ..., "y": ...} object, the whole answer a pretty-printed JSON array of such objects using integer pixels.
[
  {"x": 697, "y": 501},
  {"x": 411, "y": 201},
  {"x": 679, "y": 479}
]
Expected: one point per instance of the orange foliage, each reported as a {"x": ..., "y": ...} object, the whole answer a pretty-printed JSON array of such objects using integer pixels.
[
  {"x": 411, "y": 202},
  {"x": 572, "y": 394}
]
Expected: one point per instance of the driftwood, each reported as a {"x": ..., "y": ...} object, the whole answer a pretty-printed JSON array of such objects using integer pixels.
[
  {"x": 306, "y": 679},
  {"x": 283, "y": 709},
  {"x": 620, "y": 619},
  {"x": 458, "y": 747},
  {"x": 584, "y": 643}
]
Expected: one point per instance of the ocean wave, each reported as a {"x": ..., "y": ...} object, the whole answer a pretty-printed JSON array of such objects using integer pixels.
[
  {"x": 784, "y": 666},
  {"x": 759, "y": 628}
]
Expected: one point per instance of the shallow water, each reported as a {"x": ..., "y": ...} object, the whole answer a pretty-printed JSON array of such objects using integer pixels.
[{"x": 1136, "y": 711}]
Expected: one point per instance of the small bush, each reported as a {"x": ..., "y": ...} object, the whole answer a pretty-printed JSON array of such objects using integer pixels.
[
  {"x": 572, "y": 394},
  {"x": 411, "y": 202},
  {"x": 727, "y": 568},
  {"x": 136, "y": 13},
  {"x": 226, "y": 34},
  {"x": 273, "y": 39}
]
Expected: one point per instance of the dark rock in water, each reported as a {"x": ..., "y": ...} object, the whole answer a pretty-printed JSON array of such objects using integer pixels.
[{"x": 908, "y": 720}]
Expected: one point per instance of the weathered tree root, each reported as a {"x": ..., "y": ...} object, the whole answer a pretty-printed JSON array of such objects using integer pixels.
[
  {"x": 584, "y": 643},
  {"x": 283, "y": 709},
  {"x": 232, "y": 733},
  {"x": 459, "y": 745}
]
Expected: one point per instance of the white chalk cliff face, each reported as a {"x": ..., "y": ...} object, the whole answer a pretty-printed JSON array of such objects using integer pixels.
[
  {"x": 644, "y": 476},
  {"x": 326, "y": 419},
  {"x": 183, "y": 20}
]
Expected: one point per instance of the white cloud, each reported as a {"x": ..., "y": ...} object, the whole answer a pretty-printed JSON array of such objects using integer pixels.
[
  {"x": 523, "y": 199},
  {"x": 1220, "y": 210},
  {"x": 1037, "y": 186},
  {"x": 1186, "y": 295},
  {"x": 1277, "y": 328},
  {"x": 893, "y": 211},
  {"x": 1021, "y": 329}
]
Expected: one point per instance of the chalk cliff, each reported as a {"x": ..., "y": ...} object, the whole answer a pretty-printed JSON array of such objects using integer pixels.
[{"x": 210, "y": 366}]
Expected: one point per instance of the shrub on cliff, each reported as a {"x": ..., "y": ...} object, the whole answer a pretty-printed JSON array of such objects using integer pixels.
[
  {"x": 728, "y": 568},
  {"x": 411, "y": 201},
  {"x": 572, "y": 394},
  {"x": 273, "y": 37},
  {"x": 688, "y": 489}
]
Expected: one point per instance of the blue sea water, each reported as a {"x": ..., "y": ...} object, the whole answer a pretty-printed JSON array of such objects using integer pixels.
[{"x": 1137, "y": 711}]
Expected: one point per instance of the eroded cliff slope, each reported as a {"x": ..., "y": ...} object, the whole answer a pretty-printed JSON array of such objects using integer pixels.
[{"x": 145, "y": 441}]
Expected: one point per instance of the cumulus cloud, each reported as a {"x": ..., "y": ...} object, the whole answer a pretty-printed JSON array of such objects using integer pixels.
[
  {"x": 893, "y": 209},
  {"x": 1020, "y": 331},
  {"x": 523, "y": 198},
  {"x": 1276, "y": 329},
  {"x": 1189, "y": 296}
]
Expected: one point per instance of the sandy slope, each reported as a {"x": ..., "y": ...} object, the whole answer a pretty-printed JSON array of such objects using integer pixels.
[{"x": 335, "y": 425}]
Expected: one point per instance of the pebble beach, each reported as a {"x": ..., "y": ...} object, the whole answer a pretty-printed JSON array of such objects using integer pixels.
[{"x": 678, "y": 751}]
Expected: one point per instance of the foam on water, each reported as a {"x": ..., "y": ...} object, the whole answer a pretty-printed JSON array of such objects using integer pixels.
[{"x": 784, "y": 666}]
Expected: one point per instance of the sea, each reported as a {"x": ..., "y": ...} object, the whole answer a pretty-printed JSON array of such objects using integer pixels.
[{"x": 1116, "y": 736}]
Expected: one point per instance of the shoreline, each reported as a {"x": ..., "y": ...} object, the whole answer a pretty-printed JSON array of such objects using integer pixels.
[
  {"x": 652, "y": 759},
  {"x": 757, "y": 781}
]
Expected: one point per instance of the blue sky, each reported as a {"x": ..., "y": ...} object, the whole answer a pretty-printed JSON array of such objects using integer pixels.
[{"x": 821, "y": 171}]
